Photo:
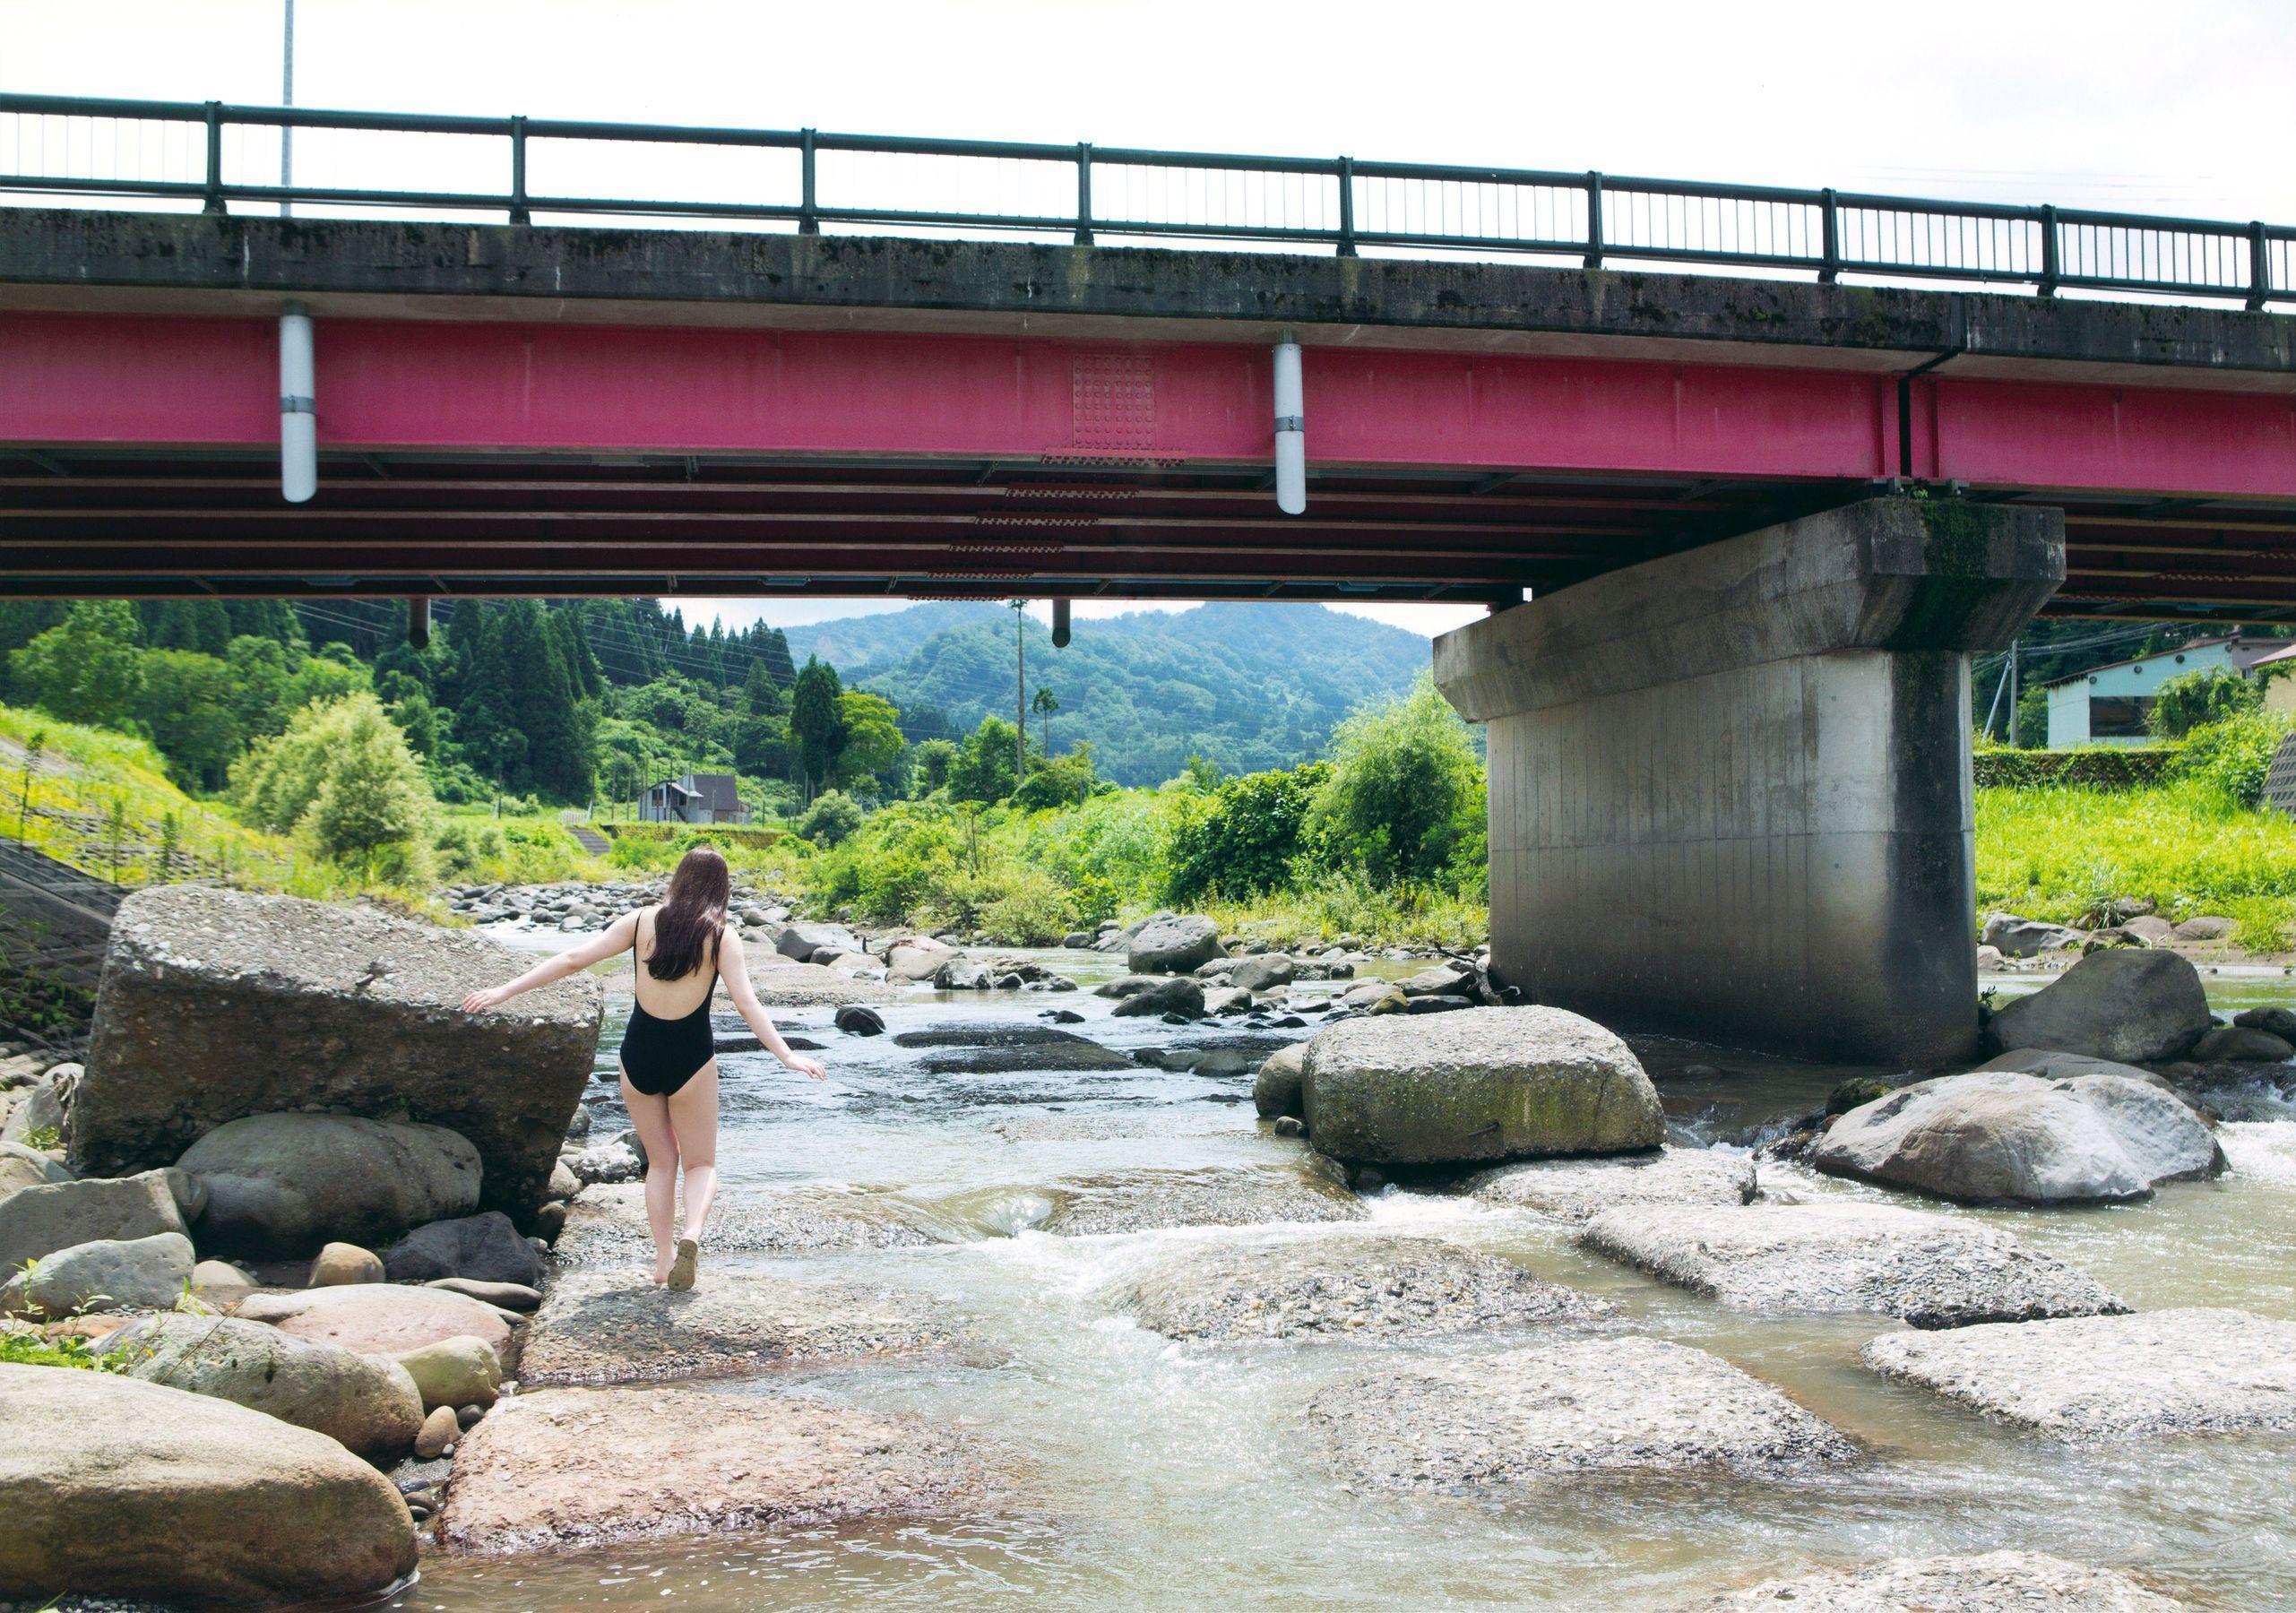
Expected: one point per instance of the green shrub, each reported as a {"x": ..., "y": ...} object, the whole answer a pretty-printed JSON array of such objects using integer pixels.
[
  {"x": 1031, "y": 911},
  {"x": 1244, "y": 837},
  {"x": 832, "y": 819},
  {"x": 2197, "y": 699},
  {"x": 2233, "y": 755},
  {"x": 1405, "y": 798},
  {"x": 24, "y": 1347},
  {"x": 2095, "y": 767}
]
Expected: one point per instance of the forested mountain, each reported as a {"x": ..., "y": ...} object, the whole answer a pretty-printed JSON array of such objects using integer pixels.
[
  {"x": 860, "y": 645},
  {"x": 1246, "y": 686}
]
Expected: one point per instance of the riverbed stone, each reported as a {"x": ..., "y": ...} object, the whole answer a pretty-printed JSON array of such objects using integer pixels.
[
  {"x": 46, "y": 1108},
  {"x": 486, "y": 1247},
  {"x": 1264, "y": 972},
  {"x": 1998, "y": 1582},
  {"x": 2025, "y": 1129},
  {"x": 1173, "y": 944},
  {"x": 1478, "y": 1084},
  {"x": 1344, "y": 1285},
  {"x": 110, "y": 1274},
  {"x": 917, "y": 959},
  {"x": 368, "y": 1404},
  {"x": 2016, "y": 937},
  {"x": 464, "y": 1370},
  {"x": 2093, "y": 1379},
  {"x": 41, "y": 1220},
  {"x": 378, "y": 1318},
  {"x": 1151, "y": 1200},
  {"x": 1276, "y": 1090},
  {"x": 1847, "y": 1256},
  {"x": 220, "y": 1284},
  {"x": 565, "y": 1467},
  {"x": 283, "y": 1184},
  {"x": 2136, "y": 1006},
  {"x": 608, "y": 1225},
  {"x": 505, "y": 1296},
  {"x": 2241, "y": 1044},
  {"x": 22, "y": 1167},
  {"x": 619, "y": 1328},
  {"x": 338, "y": 1263},
  {"x": 1553, "y": 1410},
  {"x": 1178, "y": 995},
  {"x": 216, "y": 1005},
  {"x": 1578, "y": 1190},
  {"x": 115, "y": 1488}
]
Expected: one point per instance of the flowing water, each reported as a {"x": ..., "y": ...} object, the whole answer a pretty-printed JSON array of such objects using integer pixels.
[{"x": 1154, "y": 1475}]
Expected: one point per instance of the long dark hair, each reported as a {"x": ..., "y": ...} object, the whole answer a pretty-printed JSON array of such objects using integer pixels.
[{"x": 691, "y": 915}]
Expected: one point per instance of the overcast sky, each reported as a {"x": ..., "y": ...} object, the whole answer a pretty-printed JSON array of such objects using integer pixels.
[{"x": 2142, "y": 106}]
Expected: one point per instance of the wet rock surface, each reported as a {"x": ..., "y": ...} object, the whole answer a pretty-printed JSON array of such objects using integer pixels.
[
  {"x": 562, "y": 1466},
  {"x": 1343, "y": 1286},
  {"x": 2136, "y": 1006},
  {"x": 1998, "y": 1582},
  {"x": 607, "y": 1226},
  {"x": 1620, "y": 1404},
  {"x": 611, "y": 1328},
  {"x": 1931, "y": 1270},
  {"x": 2192, "y": 1371},
  {"x": 1577, "y": 1190},
  {"x": 1141, "y": 1201}
]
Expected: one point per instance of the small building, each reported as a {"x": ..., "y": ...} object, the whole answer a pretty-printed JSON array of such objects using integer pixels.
[
  {"x": 693, "y": 798},
  {"x": 2107, "y": 705}
]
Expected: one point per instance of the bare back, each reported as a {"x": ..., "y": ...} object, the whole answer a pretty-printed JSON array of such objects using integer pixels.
[{"x": 671, "y": 999}]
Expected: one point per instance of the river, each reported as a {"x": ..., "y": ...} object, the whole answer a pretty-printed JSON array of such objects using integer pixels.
[{"x": 1159, "y": 1476}]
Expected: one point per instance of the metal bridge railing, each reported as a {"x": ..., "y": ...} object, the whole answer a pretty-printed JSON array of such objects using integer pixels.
[{"x": 212, "y": 155}]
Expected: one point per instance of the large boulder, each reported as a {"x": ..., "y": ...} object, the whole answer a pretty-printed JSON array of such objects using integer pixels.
[
  {"x": 379, "y": 1318},
  {"x": 284, "y": 1184},
  {"x": 1174, "y": 943},
  {"x": 2133, "y": 1004},
  {"x": 1264, "y": 972},
  {"x": 41, "y": 1220},
  {"x": 113, "y": 1487},
  {"x": 370, "y": 1405},
  {"x": 22, "y": 1167},
  {"x": 917, "y": 959},
  {"x": 1480, "y": 1083},
  {"x": 800, "y": 942},
  {"x": 215, "y": 1005},
  {"x": 1275, "y": 1089},
  {"x": 2028, "y": 1135},
  {"x": 1178, "y": 995},
  {"x": 486, "y": 1247},
  {"x": 140, "y": 1274}
]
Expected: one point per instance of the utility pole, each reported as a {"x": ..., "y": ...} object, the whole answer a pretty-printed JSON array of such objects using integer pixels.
[
  {"x": 1020, "y": 691},
  {"x": 287, "y": 99},
  {"x": 2015, "y": 738}
]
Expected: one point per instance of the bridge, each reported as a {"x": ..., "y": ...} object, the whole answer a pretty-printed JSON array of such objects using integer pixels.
[{"x": 1761, "y": 523}]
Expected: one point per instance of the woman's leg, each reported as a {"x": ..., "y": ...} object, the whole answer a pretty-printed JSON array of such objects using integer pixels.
[
  {"x": 650, "y": 1116},
  {"x": 694, "y": 1116}
]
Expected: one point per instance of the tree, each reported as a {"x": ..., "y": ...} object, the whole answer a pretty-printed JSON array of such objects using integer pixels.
[
  {"x": 816, "y": 722},
  {"x": 873, "y": 742},
  {"x": 185, "y": 706},
  {"x": 934, "y": 758},
  {"x": 1067, "y": 781},
  {"x": 983, "y": 768},
  {"x": 1404, "y": 800},
  {"x": 32, "y": 749},
  {"x": 2189, "y": 699},
  {"x": 342, "y": 777},
  {"x": 1245, "y": 836},
  {"x": 832, "y": 819},
  {"x": 88, "y": 669},
  {"x": 1020, "y": 610},
  {"x": 1045, "y": 704}
]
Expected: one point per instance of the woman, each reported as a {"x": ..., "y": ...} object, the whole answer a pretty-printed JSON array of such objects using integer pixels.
[{"x": 669, "y": 1066}]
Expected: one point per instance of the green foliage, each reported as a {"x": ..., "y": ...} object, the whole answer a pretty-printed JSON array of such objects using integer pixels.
[
  {"x": 1244, "y": 838},
  {"x": 818, "y": 722},
  {"x": 932, "y": 759},
  {"x": 1063, "y": 780},
  {"x": 2097, "y": 767},
  {"x": 983, "y": 767},
  {"x": 342, "y": 779},
  {"x": 2191, "y": 699},
  {"x": 23, "y": 1346},
  {"x": 1109, "y": 852},
  {"x": 832, "y": 819},
  {"x": 1405, "y": 798},
  {"x": 466, "y": 847},
  {"x": 1029, "y": 910},
  {"x": 43, "y": 1139},
  {"x": 2233, "y": 755},
  {"x": 88, "y": 669}
]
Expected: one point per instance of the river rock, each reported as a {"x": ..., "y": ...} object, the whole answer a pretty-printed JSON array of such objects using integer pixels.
[
  {"x": 1577, "y": 1190},
  {"x": 619, "y": 1328},
  {"x": 1442, "y": 979},
  {"x": 1999, "y": 1582},
  {"x": 615, "y": 1160},
  {"x": 222, "y": 1284},
  {"x": 1341, "y": 1285},
  {"x": 1141, "y": 1201},
  {"x": 857, "y": 1019},
  {"x": 46, "y": 1108},
  {"x": 22, "y": 1167},
  {"x": 917, "y": 961},
  {"x": 2241, "y": 1044},
  {"x": 1483, "y": 1083},
  {"x": 1554, "y": 1410},
  {"x": 485, "y": 1247},
  {"x": 2281, "y": 1022},
  {"x": 2016, "y": 937},
  {"x": 1264, "y": 972},
  {"x": 340, "y": 1262},
  {"x": 283, "y": 1184},
  {"x": 1228, "y": 1000},
  {"x": 215, "y": 1005},
  {"x": 441, "y": 1429},
  {"x": 366, "y": 1403},
  {"x": 2205, "y": 926},
  {"x": 2138, "y": 1006},
  {"x": 2101, "y": 1378},
  {"x": 378, "y": 1318},
  {"x": 41, "y": 1220},
  {"x": 1179, "y": 996},
  {"x": 800, "y": 941},
  {"x": 1007, "y": 1050},
  {"x": 1173, "y": 944},
  {"x": 1275, "y": 1091},
  {"x": 115, "y": 1488},
  {"x": 2002, "y": 1133},
  {"x": 464, "y": 1370},
  {"x": 607, "y": 1226},
  {"x": 1932, "y": 1271},
  {"x": 562, "y": 1466},
  {"x": 111, "y": 1275}
]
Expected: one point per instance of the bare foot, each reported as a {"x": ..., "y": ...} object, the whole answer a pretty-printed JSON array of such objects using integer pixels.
[
  {"x": 681, "y": 1273},
  {"x": 663, "y": 1261}
]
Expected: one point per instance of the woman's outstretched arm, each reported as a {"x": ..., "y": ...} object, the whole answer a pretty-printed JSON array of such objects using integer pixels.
[
  {"x": 736, "y": 971},
  {"x": 616, "y": 937}
]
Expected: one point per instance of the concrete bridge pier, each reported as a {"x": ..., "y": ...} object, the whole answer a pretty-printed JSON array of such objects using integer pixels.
[{"x": 1729, "y": 788}]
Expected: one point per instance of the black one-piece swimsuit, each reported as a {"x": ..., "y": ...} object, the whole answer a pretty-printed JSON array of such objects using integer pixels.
[{"x": 659, "y": 1056}]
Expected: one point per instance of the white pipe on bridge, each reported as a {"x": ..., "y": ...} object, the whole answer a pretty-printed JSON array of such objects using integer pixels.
[
  {"x": 298, "y": 418},
  {"x": 1290, "y": 429}
]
